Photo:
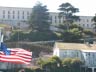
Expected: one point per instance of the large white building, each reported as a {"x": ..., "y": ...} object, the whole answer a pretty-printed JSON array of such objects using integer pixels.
[
  {"x": 14, "y": 16},
  {"x": 86, "y": 22},
  {"x": 85, "y": 52},
  {"x": 19, "y": 16}
]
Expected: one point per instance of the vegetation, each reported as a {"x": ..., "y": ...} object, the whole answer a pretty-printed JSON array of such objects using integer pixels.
[
  {"x": 68, "y": 11},
  {"x": 54, "y": 64},
  {"x": 33, "y": 36},
  {"x": 69, "y": 32},
  {"x": 42, "y": 36},
  {"x": 39, "y": 18},
  {"x": 39, "y": 22},
  {"x": 18, "y": 36},
  {"x": 94, "y": 24}
]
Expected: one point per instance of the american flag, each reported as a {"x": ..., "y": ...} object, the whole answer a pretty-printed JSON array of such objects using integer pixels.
[{"x": 16, "y": 55}]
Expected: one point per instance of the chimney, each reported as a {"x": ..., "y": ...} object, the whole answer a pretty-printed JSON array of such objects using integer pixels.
[
  {"x": 94, "y": 42},
  {"x": 87, "y": 43}
]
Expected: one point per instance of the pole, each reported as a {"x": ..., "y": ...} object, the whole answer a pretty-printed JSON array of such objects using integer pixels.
[
  {"x": 18, "y": 33},
  {"x": 18, "y": 38}
]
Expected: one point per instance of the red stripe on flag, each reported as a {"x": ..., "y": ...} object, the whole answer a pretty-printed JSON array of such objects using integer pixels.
[{"x": 17, "y": 55}]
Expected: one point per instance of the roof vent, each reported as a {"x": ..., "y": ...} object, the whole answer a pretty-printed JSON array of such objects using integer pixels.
[
  {"x": 94, "y": 42},
  {"x": 87, "y": 43}
]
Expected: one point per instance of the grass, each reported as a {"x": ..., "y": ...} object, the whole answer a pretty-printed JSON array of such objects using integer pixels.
[{"x": 3, "y": 25}]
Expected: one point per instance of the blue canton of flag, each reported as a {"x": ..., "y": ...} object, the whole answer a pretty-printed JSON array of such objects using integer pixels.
[{"x": 4, "y": 49}]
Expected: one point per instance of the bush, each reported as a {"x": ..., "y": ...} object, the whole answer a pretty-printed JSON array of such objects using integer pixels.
[
  {"x": 42, "y": 36},
  {"x": 18, "y": 36},
  {"x": 28, "y": 70},
  {"x": 87, "y": 32}
]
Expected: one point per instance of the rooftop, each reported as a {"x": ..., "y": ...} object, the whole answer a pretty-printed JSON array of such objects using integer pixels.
[{"x": 75, "y": 46}]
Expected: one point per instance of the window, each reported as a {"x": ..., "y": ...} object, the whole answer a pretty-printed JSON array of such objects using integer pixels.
[
  {"x": 13, "y": 12},
  {"x": 3, "y": 11},
  {"x": 60, "y": 21},
  {"x": 55, "y": 19},
  {"x": 93, "y": 55},
  {"x": 50, "y": 19},
  {"x": 79, "y": 20},
  {"x": 8, "y": 12},
  {"x": 23, "y": 17},
  {"x": 18, "y": 12},
  {"x": 3, "y": 16},
  {"x": 83, "y": 20},
  {"x": 86, "y": 54},
  {"x": 91, "y": 25},
  {"x": 87, "y": 25},
  {"x": 18, "y": 16},
  {"x": 63, "y": 18},
  {"x": 89, "y": 54},
  {"x": 87, "y": 20},
  {"x": 23, "y": 13},
  {"x": 13, "y": 16},
  {"x": 83, "y": 25},
  {"x": 27, "y": 13},
  {"x": 77, "y": 54},
  {"x": 8, "y": 16},
  {"x": 27, "y": 17}
]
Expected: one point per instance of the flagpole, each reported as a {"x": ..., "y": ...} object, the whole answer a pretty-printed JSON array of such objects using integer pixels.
[
  {"x": 18, "y": 33},
  {"x": 1, "y": 40}
]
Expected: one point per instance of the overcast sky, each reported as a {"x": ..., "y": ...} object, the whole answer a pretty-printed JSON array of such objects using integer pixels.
[{"x": 86, "y": 7}]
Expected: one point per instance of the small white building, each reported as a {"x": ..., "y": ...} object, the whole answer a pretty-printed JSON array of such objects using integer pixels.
[{"x": 85, "y": 52}]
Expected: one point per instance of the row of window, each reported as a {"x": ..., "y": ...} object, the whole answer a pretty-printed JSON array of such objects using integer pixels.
[
  {"x": 91, "y": 58},
  {"x": 86, "y": 25},
  {"x": 13, "y": 17},
  {"x": 13, "y": 12},
  {"x": 91, "y": 54},
  {"x": 84, "y": 20},
  {"x": 56, "y": 19},
  {"x": 9, "y": 16}
]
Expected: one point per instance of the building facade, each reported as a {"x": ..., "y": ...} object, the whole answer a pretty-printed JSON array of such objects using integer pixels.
[
  {"x": 17, "y": 16},
  {"x": 86, "y": 22},
  {"x": 85, "y": 52}
]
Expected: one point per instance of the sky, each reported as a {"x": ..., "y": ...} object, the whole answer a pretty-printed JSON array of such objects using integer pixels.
[{"x": 86, "y": 7}]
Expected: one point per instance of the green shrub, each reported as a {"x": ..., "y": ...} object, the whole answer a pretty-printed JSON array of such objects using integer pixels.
[{"x": 42, "y": 36}]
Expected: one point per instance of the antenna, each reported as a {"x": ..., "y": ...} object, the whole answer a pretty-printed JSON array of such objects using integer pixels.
[{"x": 2, "y": 36}]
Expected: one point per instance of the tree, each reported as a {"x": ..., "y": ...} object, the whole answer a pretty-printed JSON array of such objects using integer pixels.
[
  {"x": 39, "y": 18},
  {"x": 42, "y": 36},
  {"x": 67, "y": 64},
  {"x": 88, "y": 33},
  {"x": 72, "y": 64},
  {"x": 94, "y": 24},
  {"x": 18, "y": 36},
  {"x": 76, "y": 65},
  {"x": 73, "y": 35},
  {"x": 68, "y": 11},
  {"x": 51, "y": 65},
  {"x": 56, "y": 60}
]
